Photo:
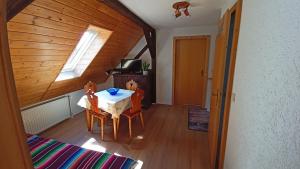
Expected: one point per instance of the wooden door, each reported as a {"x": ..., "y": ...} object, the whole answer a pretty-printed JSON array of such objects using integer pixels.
[
  {"x": 226, "y": 47},
  {"x": 217, "y": 87},
  {"x": 234, "y": 28},
  {"x": 190, "y": 70},
  {"x": 14, "y": 150}
]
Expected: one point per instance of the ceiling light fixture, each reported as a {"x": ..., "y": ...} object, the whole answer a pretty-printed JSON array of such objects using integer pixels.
[{"x": 181, "y": 7}]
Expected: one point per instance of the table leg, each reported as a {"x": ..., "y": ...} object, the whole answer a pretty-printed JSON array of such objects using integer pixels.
[
  {"x": 115, "y": 120},
  {"x": 88, "y": 119},
  {"x": 118, "y": 124}
]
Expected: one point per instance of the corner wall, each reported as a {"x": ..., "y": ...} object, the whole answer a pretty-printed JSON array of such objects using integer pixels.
[
  {"x": 165, "y": 59},
  {"x": 264, "y": 124}
]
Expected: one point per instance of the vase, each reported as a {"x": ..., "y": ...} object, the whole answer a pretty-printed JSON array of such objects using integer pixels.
[{"x": 145, "y": 72}]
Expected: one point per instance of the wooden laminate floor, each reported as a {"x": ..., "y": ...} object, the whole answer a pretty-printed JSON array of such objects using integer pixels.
[{"x": 165, "y": 143}]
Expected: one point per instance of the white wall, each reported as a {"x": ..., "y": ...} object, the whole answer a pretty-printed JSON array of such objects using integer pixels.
[
  {"x": 227, "y": 4},
  {"x": 165, "y": 59},
  {"x": 264, "y": 124},
  {"x": 146, "y": 57}
]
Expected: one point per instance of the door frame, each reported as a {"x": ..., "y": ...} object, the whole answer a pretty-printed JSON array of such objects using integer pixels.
[
  {"x": 237, "y": 8},
  {"x": 175, "y": 39},
  {"x": 12, "y": 135}
]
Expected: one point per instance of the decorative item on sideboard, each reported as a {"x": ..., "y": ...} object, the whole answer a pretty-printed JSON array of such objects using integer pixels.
[{"x": 145, "y": 67}]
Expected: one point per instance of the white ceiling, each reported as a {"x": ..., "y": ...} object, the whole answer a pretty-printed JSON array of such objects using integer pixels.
[{"x": 160, "y": 14}]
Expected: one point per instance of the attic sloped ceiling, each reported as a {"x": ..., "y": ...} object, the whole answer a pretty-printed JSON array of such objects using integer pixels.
[{"x": 44, "y": 34}]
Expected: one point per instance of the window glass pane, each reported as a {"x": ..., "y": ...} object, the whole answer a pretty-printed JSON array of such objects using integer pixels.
[
  {"x": 87, "y": 38},
  {"x": 85, "y": 51}
]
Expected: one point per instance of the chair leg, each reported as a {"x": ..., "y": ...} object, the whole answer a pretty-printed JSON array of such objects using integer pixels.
[
  {"x": 99, "y": 122},
  {"x": 102, "y": 128},
  {"x": 92, "y": 123},
  {"x": 88, "y": 119},
  {"x": 129, "y": 126},
  {"x": 142, "y": 119}
]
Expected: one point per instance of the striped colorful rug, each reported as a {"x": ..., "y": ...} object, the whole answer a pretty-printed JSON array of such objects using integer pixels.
[
  {"x": 198, "y": 118},
  {"x": 52, "y": 154}
]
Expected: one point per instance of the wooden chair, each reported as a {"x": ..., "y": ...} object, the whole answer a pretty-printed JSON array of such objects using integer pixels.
[
  {"x": 90, "y": 87},
  {"x": 131, "y": 85},
  {"x": 136, "y": 108},
  {"x": 94, "y": 111}
]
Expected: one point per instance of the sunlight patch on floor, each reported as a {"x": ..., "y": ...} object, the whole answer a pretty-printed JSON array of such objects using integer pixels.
[
  {"x": 139, "y": 165},
  {"x": 140, "y": 137},
  {"x": 92, "y": 144},
  {"x": 139, "y": 162},
  {"x": 117, "y": 154}
]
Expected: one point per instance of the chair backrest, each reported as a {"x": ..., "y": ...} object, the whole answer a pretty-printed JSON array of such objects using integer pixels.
[
  {"x": 90, "y": 88},
  {"x": 136, "y": 100},
  {"x": 93, "y": 99},
  {"x": 131, "y": 85}
]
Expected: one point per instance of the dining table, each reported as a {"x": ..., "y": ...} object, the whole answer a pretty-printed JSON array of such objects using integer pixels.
[{"x": 112, "y": 104}]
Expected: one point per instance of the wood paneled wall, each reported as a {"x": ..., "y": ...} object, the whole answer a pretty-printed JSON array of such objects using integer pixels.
[{"x": 44, "y": 34}]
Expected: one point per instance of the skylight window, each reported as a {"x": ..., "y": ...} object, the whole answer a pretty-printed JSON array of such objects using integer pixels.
[
  {"x": 81, "y": 48},
  {"x": 85, "y": 51}
]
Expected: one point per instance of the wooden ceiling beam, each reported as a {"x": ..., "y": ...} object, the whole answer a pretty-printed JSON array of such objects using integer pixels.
[
  {"x": 149, "y": 31},
  {"x": 151, "y": 42},
  {"x": 16, "y": 6},
  {"x": 118, "y": 6}
]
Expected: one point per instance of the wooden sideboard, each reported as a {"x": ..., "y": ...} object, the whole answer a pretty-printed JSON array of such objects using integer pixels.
[{"x": 144, "y": 82}]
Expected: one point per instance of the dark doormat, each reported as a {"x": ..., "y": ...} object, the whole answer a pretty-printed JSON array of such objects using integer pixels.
[{"x": 198, "y": 118}]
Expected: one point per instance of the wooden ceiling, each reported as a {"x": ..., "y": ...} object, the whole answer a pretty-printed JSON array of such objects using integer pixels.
[{"x": 43, "y": 35}]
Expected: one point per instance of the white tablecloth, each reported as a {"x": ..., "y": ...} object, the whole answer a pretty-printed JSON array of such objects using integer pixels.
[{"x": 114, "y": 105}]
